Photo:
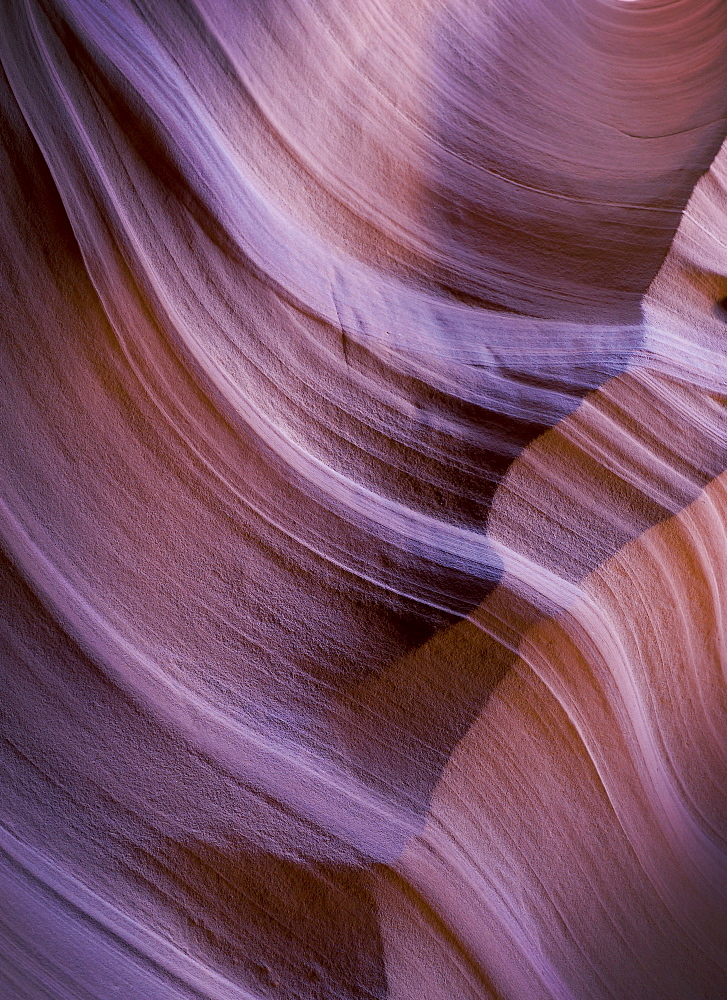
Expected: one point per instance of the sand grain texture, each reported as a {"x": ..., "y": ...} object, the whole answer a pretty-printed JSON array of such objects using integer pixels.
[{"x": 362, "y": 500}]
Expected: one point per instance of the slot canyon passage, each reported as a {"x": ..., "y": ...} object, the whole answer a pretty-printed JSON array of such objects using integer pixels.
[{"x": 363, "y": 479}]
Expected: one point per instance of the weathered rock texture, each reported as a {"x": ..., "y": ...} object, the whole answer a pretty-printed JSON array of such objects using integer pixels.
[{"x": 364, "y": 504}]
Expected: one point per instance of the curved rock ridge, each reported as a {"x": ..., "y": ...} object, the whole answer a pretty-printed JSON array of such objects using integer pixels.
[{"x": 363, "y": 499}]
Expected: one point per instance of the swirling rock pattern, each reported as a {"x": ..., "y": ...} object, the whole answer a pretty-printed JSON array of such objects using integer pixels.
[{"x": 364, "y": 503}]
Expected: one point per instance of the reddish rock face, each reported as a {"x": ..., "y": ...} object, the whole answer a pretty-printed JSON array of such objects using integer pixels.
[{"x": 362, "y": 499}]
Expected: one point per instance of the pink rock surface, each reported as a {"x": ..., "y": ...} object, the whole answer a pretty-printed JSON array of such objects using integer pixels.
[{"x": 362, "y": 499}]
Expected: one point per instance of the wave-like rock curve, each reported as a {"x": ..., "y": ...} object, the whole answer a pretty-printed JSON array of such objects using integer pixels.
[{"x": 363, "y": 499}]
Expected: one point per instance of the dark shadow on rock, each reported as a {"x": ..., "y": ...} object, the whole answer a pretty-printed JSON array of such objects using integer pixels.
[
  {"x": 294, "y": 930},
  {"x": 518, "y": 236},
  {"x": 551, "y": 195}
]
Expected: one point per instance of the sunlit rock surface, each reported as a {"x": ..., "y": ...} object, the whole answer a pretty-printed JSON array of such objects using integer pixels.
[{"x": 363, "y": 499}]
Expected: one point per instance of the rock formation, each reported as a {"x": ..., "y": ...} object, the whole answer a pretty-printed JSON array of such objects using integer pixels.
[{"x": 363, "y": 500}]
